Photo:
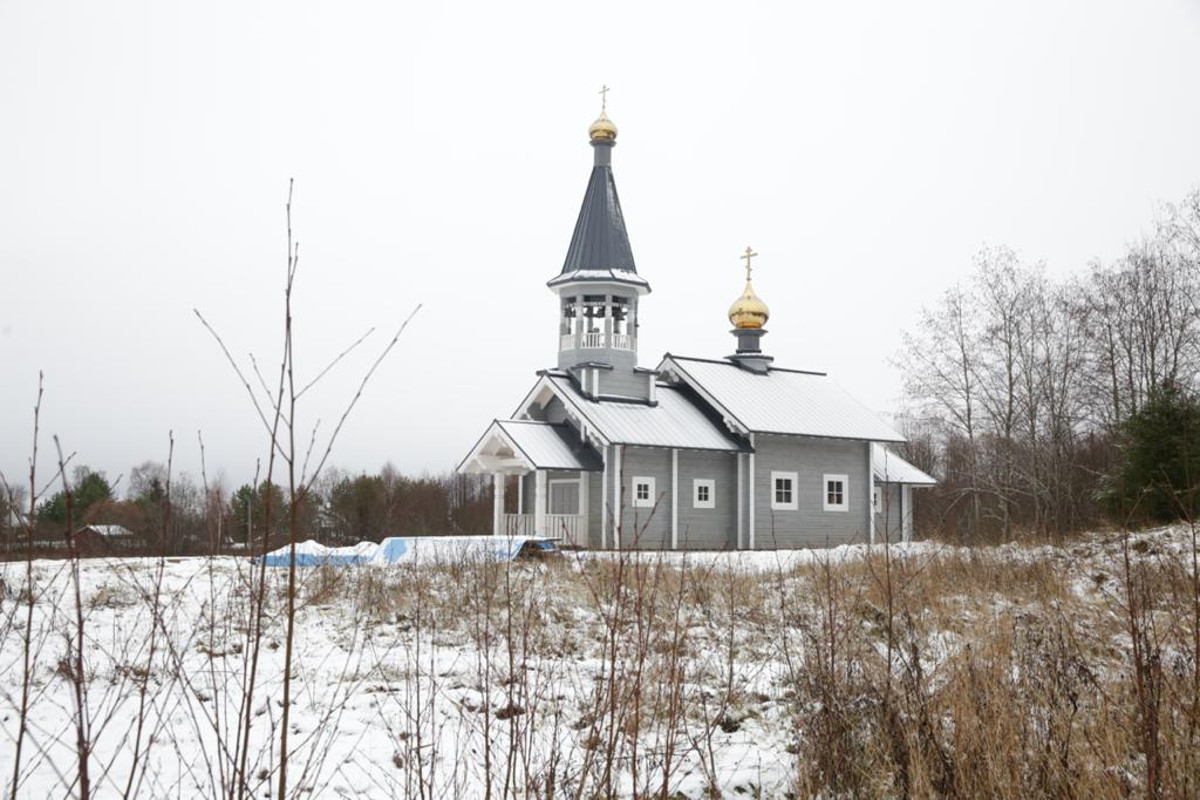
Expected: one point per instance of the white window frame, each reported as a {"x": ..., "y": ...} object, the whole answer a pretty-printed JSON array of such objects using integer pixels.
[
  {"x": 845, "y": 481},
  {"x": 649, "y": 501},
  {"x": 711, "y": 486},
  {"x": 794, "y": 503}
]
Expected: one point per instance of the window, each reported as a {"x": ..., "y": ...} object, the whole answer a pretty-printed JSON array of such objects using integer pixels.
[
  {"x": 837, "y": 495},
  {"x": 704, "y": 494},
  {"x": 783, "y": 491},
  {"x": 643, "y": 492}
]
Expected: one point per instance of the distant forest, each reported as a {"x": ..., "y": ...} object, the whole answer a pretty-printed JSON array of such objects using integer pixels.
[
  {"x": 341, "y": 509},
  {"x": 1050, "y": 405}
]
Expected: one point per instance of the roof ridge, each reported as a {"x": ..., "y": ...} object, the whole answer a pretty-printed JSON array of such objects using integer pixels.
[{"x": 731, "y": 364}]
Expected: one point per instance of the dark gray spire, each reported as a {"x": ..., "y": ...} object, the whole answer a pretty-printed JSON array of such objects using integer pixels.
[{"x": 600, "y": 241}]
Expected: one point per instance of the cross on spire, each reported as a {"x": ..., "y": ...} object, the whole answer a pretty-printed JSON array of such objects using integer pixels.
[
  {"x": 604, "y": 90},
  {"x": 749, "y": 254}
]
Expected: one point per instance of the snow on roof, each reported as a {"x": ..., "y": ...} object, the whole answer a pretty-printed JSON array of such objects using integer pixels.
[
  {"x": 549, "y": 446},
  {"x": 891, "y": 468},
  {"x": 782, "y": 401},
  {"x": 599, "y": 275},
  {"x": 674, "y": 421},
  {"x": 109, "y": 531}
]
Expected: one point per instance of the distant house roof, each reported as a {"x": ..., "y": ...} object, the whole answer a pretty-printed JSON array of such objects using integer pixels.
[
  {"x": 891, "y": 468},
  {"x": 780, "y": 401},
  {"x": 108, "y": 531},
  {"x": 673, "y": 421}
]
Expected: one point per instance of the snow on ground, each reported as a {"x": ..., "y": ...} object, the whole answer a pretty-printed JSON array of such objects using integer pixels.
[{"x": 440, "y": 680}]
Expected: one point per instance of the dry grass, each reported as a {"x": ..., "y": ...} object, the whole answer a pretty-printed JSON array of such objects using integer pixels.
[{"x": 1004, "y": 672}]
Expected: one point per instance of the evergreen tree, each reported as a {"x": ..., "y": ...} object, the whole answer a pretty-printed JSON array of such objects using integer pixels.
[
  {"x": 1159, "y": 472},
  {"x": 88, "y": 489}
]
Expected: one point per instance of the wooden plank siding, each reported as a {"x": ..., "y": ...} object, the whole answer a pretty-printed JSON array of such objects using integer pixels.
[
  {"x": 708, "y": 528},
  {"x": 809, "y": 525},
  {"x": 646, "y": 528},
  {"x": 888, "y": 518},
  {"x": 811, "y": 459}
]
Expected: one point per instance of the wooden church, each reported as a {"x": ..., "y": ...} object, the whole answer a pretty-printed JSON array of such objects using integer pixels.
[{"x": 695, "y": 453}]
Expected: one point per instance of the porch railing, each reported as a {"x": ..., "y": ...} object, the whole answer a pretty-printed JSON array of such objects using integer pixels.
[
  {"x": 518, "y": 524},
  {"x": 568, "y": 527}
]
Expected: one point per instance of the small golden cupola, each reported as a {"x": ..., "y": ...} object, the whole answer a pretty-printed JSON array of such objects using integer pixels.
[
  {"x": 749, "y": 311},
  {"x": 603, "y": 129},
  {"x": 749, "y": 314}
]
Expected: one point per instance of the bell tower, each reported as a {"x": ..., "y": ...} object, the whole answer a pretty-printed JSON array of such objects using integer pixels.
[{"x": 599, "y": 288}]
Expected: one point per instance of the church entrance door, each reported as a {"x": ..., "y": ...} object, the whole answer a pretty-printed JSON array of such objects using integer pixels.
[{"x": 564, "y": 497}]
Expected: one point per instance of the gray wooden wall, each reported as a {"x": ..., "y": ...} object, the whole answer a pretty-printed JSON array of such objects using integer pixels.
[
  {"x": 888, "y": 519},
  {"x": 716, "y": 528},
  {"x": 811, "y": 459},
  {"x": 708, "y": 528}
]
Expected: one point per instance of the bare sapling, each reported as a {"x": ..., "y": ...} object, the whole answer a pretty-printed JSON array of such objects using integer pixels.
[
  {"x": 137, "y": 767},
  {"x": 27, "y": 523},
  {"x": 281, "y": 426},
  {"x": 75, "y": 645}
]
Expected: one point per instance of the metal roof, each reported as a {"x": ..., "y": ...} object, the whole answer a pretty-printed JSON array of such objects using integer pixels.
[
  {"x": 549, "y": 446},
  {"x": 600, "y": 275},
  {"x": 674, "y": 421},
  {"x": 108, "y": 531},
  {"x": 600, "y": 248},
  {"x": 782, "y": 401},
  {"x": 891, "y": 468}
]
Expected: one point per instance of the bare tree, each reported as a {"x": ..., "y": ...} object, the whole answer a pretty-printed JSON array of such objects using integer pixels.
[{"x": 1028, "y": 382}]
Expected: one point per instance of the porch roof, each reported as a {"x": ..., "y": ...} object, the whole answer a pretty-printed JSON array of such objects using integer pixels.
[
  {"x": 529, "y": 445},
  {"x": 551, "y": 446},
  {"x": 891, "y": 468}
]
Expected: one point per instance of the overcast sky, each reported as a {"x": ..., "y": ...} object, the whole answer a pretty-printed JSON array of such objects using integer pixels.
[{"x": 867, "y": 151}]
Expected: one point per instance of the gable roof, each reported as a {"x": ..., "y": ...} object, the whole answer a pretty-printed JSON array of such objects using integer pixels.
[
  {"x": 107, "y": 531},
  {"x": 532, "y": 445},
  {"x": 891, "y": 468},
  {"x": 550, "y": 446},
  {"x": 780, "y": 401},
  {"x": 673, "y": 421}
]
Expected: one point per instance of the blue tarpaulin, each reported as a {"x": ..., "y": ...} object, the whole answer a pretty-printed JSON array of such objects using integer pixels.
[{"x": 410, "y": 549}]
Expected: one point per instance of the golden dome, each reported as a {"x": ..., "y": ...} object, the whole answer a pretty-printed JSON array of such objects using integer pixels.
[
  {"x": 749, "y": 311},
  {"x": 603, "y": 129}
]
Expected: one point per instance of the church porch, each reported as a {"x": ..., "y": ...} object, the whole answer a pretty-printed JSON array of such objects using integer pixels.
[
  {"x": 550, "y": 503},
  {"x": 552, "y": 469}
]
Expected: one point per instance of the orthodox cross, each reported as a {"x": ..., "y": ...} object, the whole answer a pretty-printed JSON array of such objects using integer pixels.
[
  {"x": 604, "y": 90},
  {"x": 749, "y": 254}
]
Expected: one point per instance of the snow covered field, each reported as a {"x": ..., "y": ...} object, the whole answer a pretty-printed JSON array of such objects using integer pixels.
[{"x": 714, "y": 674}]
